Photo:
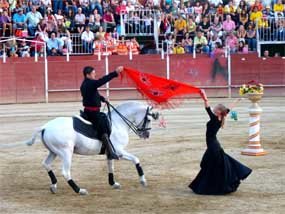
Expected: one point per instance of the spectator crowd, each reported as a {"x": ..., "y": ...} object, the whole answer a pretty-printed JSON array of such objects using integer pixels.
[{"x": 206, "y": 26}]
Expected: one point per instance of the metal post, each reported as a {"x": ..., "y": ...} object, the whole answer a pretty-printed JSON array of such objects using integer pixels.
[
  {"x": 123, "y": 31},
  {"x": 4, "y": 54},
  {"x": 46, "y": 73},
  {"x": 36, "y": 53},
  {"x": 162, "y": 51},
  {"x": 67, "y": 55},
  {"x": 107, "y": 72},
  {"x": 229, "y": 75},
  {"x": 131, "y": 51},
  {"x": 194, "y": 51},
  {"x": 99, "y": 52},
  {"x": 167, "y": 63}
]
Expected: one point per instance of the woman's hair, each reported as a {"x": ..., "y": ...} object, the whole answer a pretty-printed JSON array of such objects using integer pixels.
[{"x": 224, "y": 112}]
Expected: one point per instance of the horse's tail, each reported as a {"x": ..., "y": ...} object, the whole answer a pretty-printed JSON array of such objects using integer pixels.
[
  {"x": 32, "y": 140},
  {"x": 29, "y": 142}
]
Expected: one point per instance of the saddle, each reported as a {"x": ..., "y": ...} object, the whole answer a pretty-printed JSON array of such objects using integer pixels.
[{"x": 84, "y": 127}]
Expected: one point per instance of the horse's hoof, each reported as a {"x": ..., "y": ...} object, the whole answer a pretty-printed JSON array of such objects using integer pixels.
[
  {"x": 83, "y": 192},
  {"x": 143, "y": 183},
  {"x": 116, "y": 186},
  {"x": 53, "y": 188}
]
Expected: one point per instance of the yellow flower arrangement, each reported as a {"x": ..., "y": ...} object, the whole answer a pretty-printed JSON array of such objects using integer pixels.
[{"x": 251, "y": 87}]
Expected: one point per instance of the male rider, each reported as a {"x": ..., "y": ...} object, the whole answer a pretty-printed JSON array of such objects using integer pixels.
[{"x": 92, "y": 103}]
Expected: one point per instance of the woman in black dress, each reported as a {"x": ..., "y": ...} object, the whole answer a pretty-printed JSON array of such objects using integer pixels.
[{"x": 220, "y": 174}]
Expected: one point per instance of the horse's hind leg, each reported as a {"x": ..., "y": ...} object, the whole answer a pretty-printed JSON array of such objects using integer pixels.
[
  {"x": 47, "y": 165},
  {"x": 66, "y": 166}
]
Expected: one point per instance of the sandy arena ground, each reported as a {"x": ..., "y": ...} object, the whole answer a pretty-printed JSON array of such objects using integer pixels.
[{"x": 170, "y": 160}]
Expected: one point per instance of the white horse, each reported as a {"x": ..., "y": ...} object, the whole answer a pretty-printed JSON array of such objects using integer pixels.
[{"x": 60, "y": 138}]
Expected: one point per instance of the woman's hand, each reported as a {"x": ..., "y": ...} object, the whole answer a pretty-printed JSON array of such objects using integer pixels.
[{"x": 204, "y": 97}]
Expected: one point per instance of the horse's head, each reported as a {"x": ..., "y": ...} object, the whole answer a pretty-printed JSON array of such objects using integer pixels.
[{"x": 143, "y": 120}]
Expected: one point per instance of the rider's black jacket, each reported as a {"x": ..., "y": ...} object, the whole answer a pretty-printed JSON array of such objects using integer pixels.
[{"x": 89, "y": 90}]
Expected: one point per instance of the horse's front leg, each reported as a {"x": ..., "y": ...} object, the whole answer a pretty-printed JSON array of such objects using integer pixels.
[
  {"x": 112, "y": 182},
  {"x": 136, "y": 162}
]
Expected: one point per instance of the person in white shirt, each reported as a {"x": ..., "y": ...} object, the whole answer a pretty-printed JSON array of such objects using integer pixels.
[
  {"x": 32, "y": 19},
  {"x": 87, "y": 38},
  {"x": 80, "y": 21}
]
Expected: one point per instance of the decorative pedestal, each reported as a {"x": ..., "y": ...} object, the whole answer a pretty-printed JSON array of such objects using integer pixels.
[{"x": 254, "y": 146}]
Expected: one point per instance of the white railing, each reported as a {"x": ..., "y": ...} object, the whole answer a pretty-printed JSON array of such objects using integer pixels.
[{"x": 270, "y": 31}]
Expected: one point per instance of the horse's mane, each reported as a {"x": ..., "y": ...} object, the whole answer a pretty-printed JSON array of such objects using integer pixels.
[{"x": 130, "y": 104}]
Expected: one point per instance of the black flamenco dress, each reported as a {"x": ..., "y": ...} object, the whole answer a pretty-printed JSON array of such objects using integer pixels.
[{"x": 220, "y": 174}]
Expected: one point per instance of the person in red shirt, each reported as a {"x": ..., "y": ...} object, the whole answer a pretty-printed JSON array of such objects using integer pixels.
[{"x": 108, "y": 20}]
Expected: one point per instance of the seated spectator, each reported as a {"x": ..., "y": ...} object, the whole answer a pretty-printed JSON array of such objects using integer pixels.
[
  {"x": 12, "y": 48},
  {"x": 84, "y": 5},
  {"x": 64, "y": 36},
  {"x": 42, "y": 26},
  {"x": 189, "y": 9},
  {"x": 69, "y": 20},
  {"x": 279, "y": 33},
  {"x": 232, "y": 42},
  {"x": 178, "y": 49},
  {"x": 134, "y": 46},
  {"x": 23, "y": 49},
  {"x": 57, "y": 5},
  {"x": 201, "y": 43},
  {"x": 191, "y": 27},
  {"x": 100, "y": 33},
  {"x": 122, "y": 48},
  {"x": 165, "y": 25},
  {"x": 99, "y": 46},
  {"x": 214, "y": 41},
  {"x": 228, "y": 25},
  {"x": 206, "y": 9},
  {"x": 278, "y": 9},
  {"x": 96, "y": 5},
  {"x": 266, "y": 54},
  {"x": 146, "y": 25},
  {"x": 33, "y": 18},
  {"x": 36, "y": 4},
  {"x": 71, "y": 5},
  {"x": 232, "y": 11},
  {"x": 243, "y": 18},
  {"x": 19, "y": 20},
  {"x": 251, "y": 37},
  {"x": 169, "y": 43},
  {"x": 108, "y": 20},
  {"x": 111, "y": 43},
  {"x": 198, "y": 9},
  {"x": 58, "y": 16},
  {"x": 87, "y": 38},
  {"x": 220, "y": 12},
  {"x": 175, "y": 10},
  {"x": 257, "y": 4},
  {"x": 241, "y": 33},
  {"x": 54, "y": 46},
  {"x": 187, "y": 43},
  {"x": 5, "y": 22},
  {"x": 4, "y": 5},
  {"x": 256, "y": 16},
  {"x": 242, "y": 47},
  {"x": 50, "y": 21},
  {"x": 94, "y": 20},
  {"x": 242, "y": 7},
  {"x": 204, "y": 26},
  {"x": 80, "y": 21},
  {"x": 180, "y": 26},
  {"x": 45, "y": 4},
  {"x": 216, "y": 27},
  {"x": 37, "y": 47},
  {"x": 268, "y": 13}
]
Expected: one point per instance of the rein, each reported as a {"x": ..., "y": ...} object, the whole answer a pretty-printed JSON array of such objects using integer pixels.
[{"x": 129, "y": 123}]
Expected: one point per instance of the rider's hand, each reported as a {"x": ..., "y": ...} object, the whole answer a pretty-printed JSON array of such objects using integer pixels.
[
  {"x": 203, "y": 95},
  {"x": 119, "y": 69}
]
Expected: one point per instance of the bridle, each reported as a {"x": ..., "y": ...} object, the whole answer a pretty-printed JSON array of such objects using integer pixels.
[{"x": 137, "y": 129}]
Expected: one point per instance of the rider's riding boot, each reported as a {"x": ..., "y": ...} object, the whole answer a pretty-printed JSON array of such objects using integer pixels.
[{"x": 110, "y": 151}]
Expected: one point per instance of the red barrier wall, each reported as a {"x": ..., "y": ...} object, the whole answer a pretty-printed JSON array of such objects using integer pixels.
[{"x": 22, "y": 80}]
